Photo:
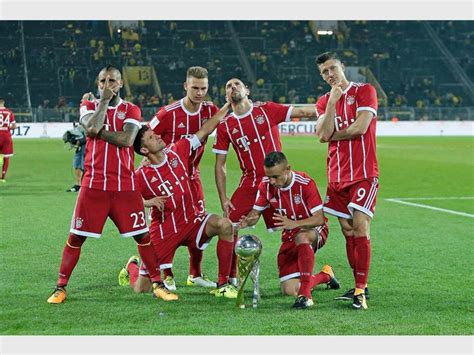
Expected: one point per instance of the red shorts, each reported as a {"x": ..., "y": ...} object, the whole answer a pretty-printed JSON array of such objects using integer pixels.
[
  {"x": 243, "y": 200},
  {"x": 125, "y": 209},
  {"x": 343, "y": 198},
  {"x": 288, "y": 254},
  {"x": 194, "y": 235},
  {"x": 198, "y": 194},
  {"x": 6, "y": 145}
]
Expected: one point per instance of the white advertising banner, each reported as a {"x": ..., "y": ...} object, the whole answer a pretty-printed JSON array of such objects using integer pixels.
[{"x": 401, "y": 128}]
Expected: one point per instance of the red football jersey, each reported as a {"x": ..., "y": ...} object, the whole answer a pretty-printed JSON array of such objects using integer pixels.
[
  {"x": 352, "y": 159},
  {"x": 6, "y": 118},
  {"x": 171, "y": 178},
  {"x": 108, "y": 167},
  {"x": 299, "y": 200},
  {"x": 253, "y": 135},
  {"x": 174, "y": 122}
]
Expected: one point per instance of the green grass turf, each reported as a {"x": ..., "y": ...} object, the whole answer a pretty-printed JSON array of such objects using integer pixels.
[{"x": 421, "y": 278}]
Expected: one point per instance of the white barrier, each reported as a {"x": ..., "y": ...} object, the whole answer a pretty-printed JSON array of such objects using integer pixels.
[{"x": 401, "y": 128}]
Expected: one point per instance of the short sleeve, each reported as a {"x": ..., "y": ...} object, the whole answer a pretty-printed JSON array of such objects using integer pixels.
[
  {"x": 134, "y": 115},
  {"x": 277, "y": 113},
  {"x": 183, "y": 148},
  {"x": 221, "y": 140},
  {"x": 158, "y": 122},
  {"x": 312, "y": 197},
  {"x": 366, "y": 99},
  {"x": 321, "y": 105},
  {"x": 86, "y": 108},
  {"x": 261, "y": 201}
]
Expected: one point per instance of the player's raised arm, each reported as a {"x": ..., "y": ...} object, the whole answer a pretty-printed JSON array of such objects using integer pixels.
[
  {"x": 307, "y": 111},
  {"x": 94, "y": 122},
  {"x": 212, "y": 122}
]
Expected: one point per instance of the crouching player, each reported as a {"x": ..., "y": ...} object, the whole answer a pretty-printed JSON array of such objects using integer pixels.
[
  {"x": 176, "y": 218},
  {"x": 296, "y": 199}
]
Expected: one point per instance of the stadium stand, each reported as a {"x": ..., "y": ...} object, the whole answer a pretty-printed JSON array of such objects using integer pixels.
[{"x": 405, "y": 59}]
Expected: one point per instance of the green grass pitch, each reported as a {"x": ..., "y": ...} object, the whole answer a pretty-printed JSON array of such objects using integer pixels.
[{"x": 421, "y": 278}]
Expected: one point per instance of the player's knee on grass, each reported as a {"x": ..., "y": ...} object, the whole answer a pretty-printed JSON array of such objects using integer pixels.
[
  {"x": 290, "y": 287},
  {"x": 143, "y": 284},
  {"x": 305, "y": 237}
]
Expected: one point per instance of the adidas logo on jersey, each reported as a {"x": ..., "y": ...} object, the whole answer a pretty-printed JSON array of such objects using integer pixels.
[
  {"x": 235, "y": 131},
  {"x": 153, "y": 179},
  {"x": 181, "y": 125}
]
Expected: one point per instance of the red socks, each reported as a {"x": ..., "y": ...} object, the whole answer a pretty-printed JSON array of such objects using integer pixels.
[
  {"x": 147, "y": 253},
  {"x": 6, "y": 161},
  {"x": 225, "y": 249},
  {"x": 133, "y": 273},
  {"x": 350, "y": 252},
  {"x": 319, "y": 278},
  {"x": 71, "y": 253},
  {"x": 362, "y": 261},
  {"x": 195, "y": 258},
  {"x": 305, "y": 266},
  {"x": 233, "y": 269}
]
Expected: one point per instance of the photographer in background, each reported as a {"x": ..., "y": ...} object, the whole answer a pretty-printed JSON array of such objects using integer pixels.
[{"x": 76, "y": 137}]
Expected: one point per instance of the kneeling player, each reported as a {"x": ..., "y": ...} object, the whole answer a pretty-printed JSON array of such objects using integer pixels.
[
  {"x": 296, "y": 199},
  {"x": 176, "y": 217}
]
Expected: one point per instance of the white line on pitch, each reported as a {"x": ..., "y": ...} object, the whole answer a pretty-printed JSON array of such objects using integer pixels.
[
  {"x": 430, "y": 198},
  {"x": 430, "y": 207}
]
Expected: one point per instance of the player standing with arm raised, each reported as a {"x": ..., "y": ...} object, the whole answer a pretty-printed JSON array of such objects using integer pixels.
[
  {"x": 252, "y": 130},
  {"x": 179, "y": 120},
  {"x": 347, "y": 118},
  {"x": 295, "y": 198},
  {"x": 7, "y": 123},
  {"x": 108, "y": 186}
]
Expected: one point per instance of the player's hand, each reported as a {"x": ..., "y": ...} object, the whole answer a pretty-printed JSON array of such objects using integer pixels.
[
  {"x": 88, "y": 96},
  {"x": 284, "y": 222},
  {"x": 335, "y": 94},
  {"x": 227, "y": 207},
  {"x": 158, "y": 202},
  {"x": 144, "y": 162},
  {"x": 110, "y": 89},
  {"x": 243, "y": 223}
]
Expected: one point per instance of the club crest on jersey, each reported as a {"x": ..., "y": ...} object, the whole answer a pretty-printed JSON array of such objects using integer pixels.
[
  {"x": 78, "y": 222},
  {"x": 121, "y": 115},
  {"x": 260, "y": 119},
  {"x": 297, "y": 199},
  {"x": 350, "y": 100},
  {"x": 174, "y": 163}
]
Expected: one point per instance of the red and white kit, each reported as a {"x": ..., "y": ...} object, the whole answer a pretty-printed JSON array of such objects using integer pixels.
[
  {"x": 6, "y": 144},
  {"x": 299, "y": 200},
  {"x": 180, "y": 222},
  {"x": 352, "y": 166},
  {"x": 109, "y": 169},
  {"x": 174, "y": 122},
  {"x": 252, "y": 135}
]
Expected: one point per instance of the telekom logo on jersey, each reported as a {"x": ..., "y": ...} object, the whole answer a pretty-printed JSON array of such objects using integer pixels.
[
  {"x": 165, "y": 188},
  {"x": 244, "y": 143}
]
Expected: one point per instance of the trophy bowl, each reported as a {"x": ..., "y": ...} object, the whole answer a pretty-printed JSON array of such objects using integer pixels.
[{"x": 248, "y": 245}]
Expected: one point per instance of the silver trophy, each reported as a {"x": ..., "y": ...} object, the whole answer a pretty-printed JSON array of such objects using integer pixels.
[{"x": 248, "y": 249}]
